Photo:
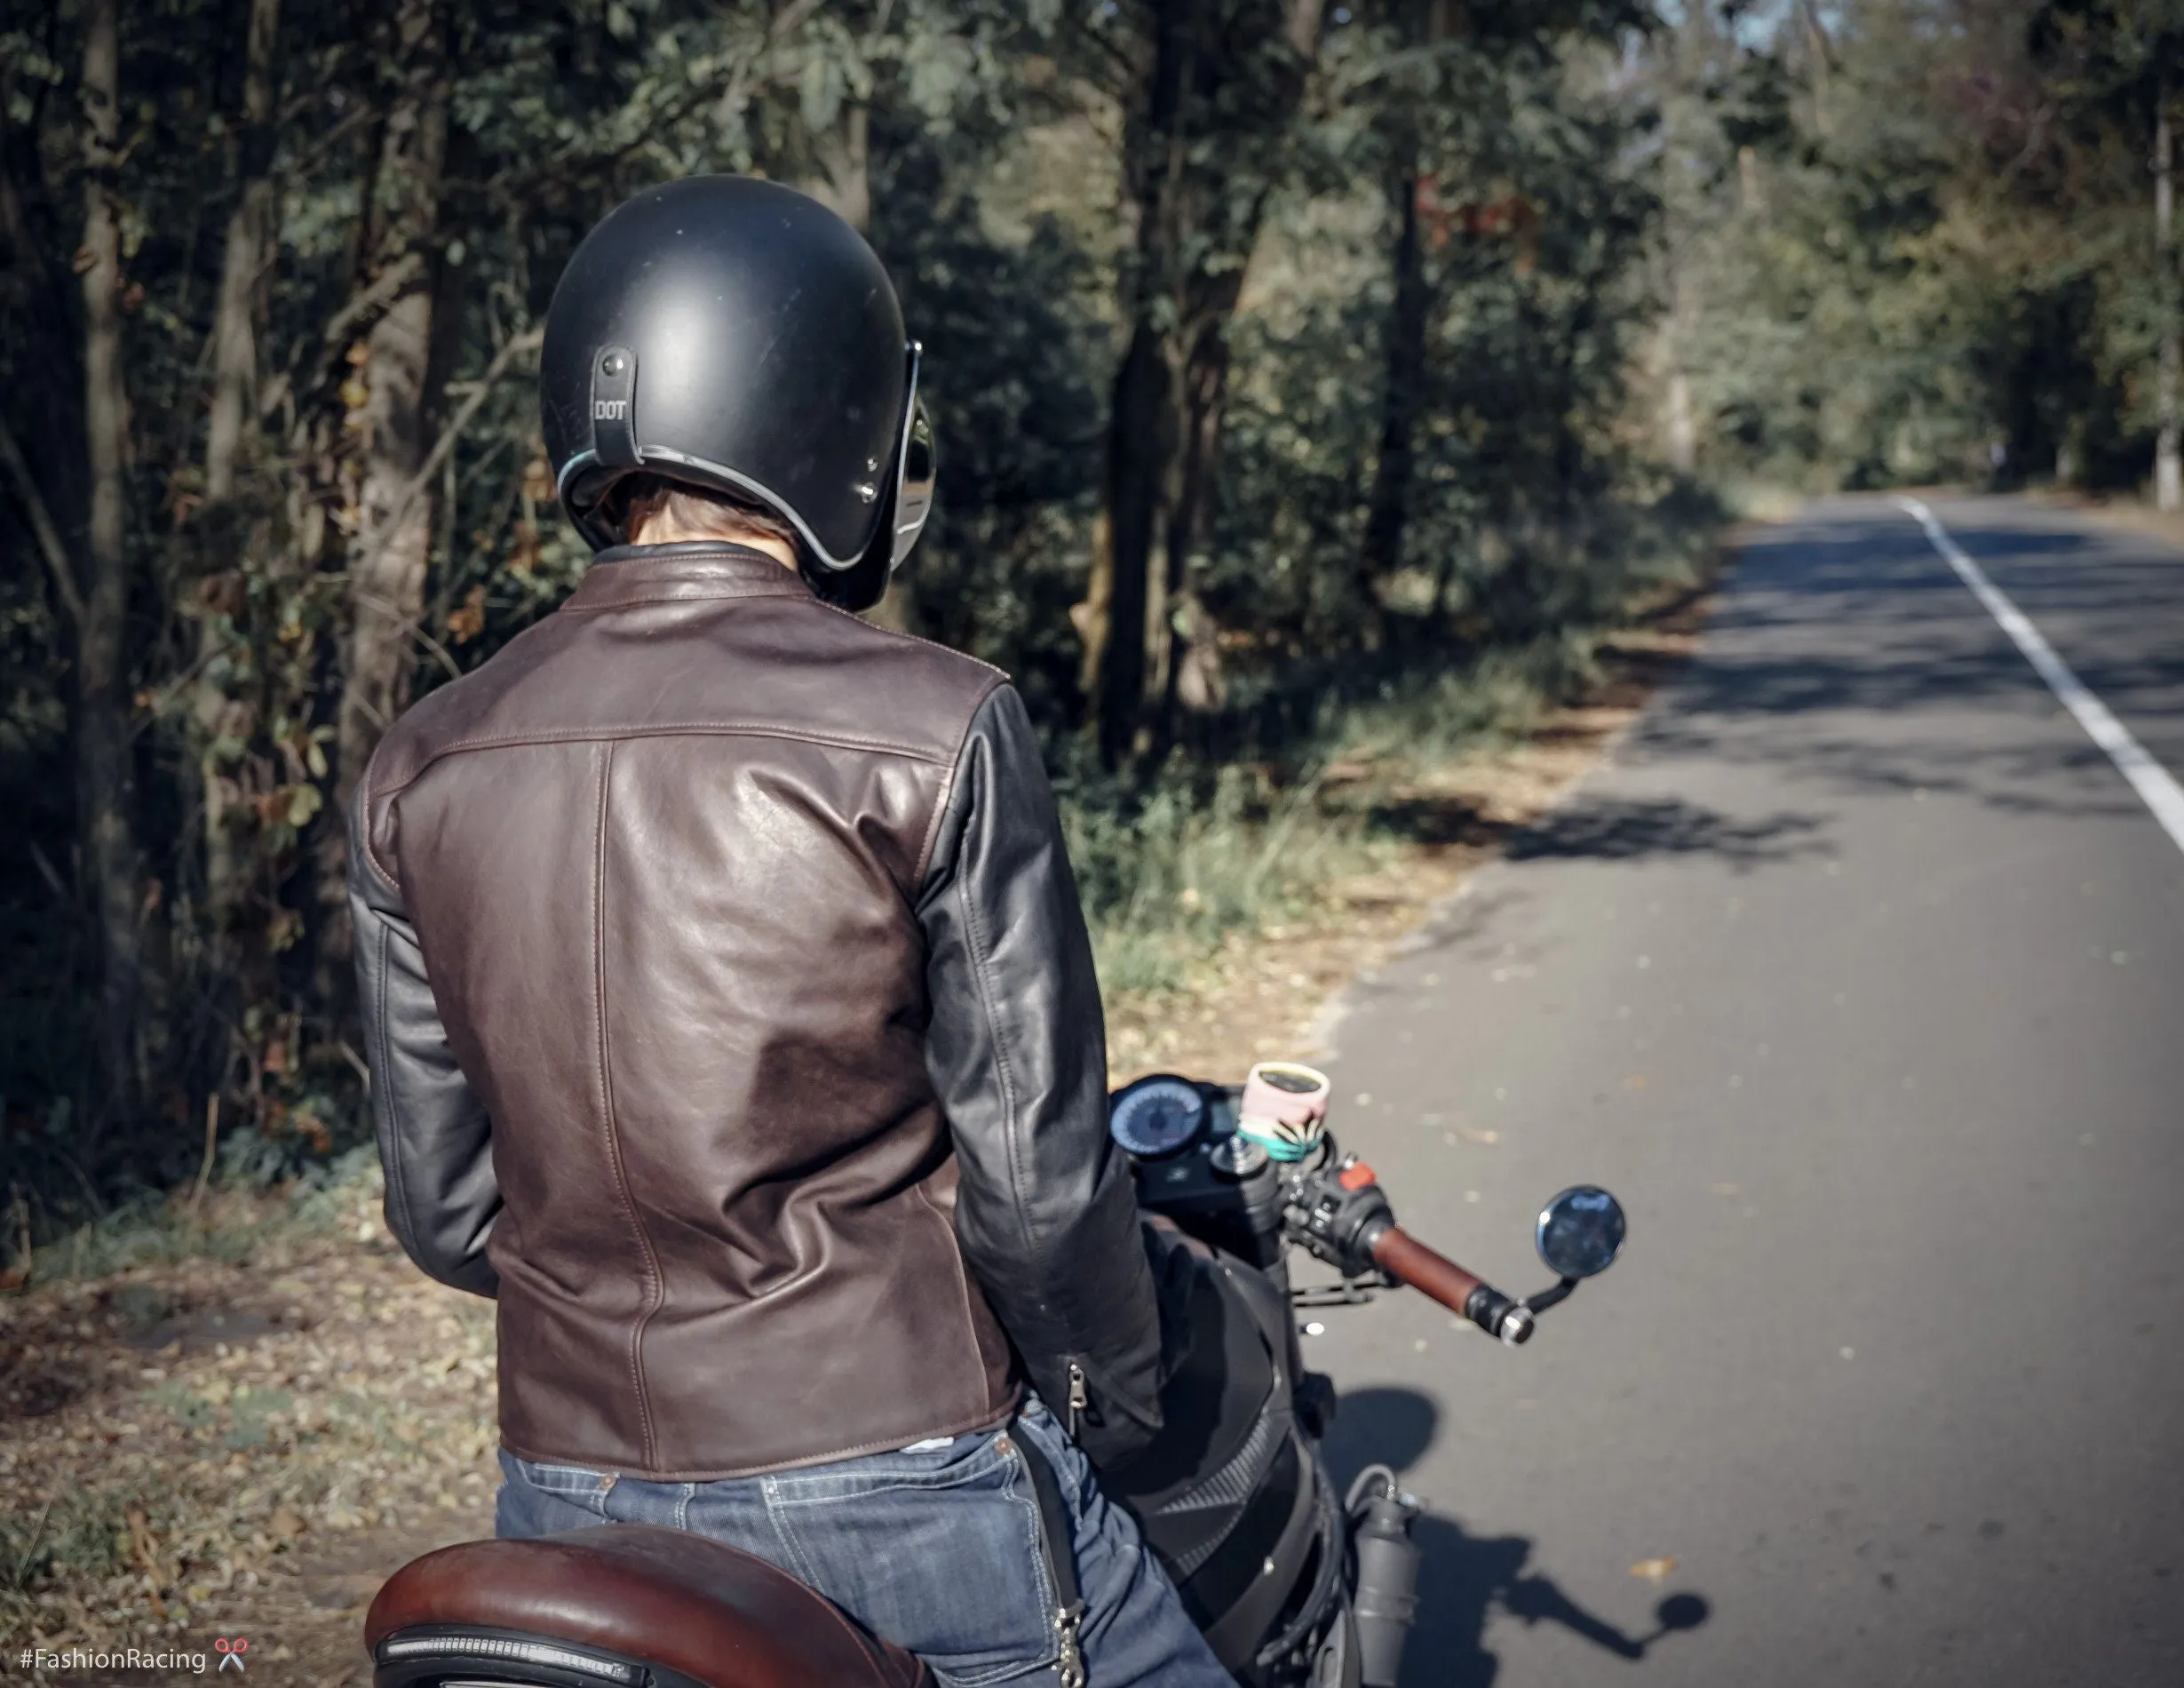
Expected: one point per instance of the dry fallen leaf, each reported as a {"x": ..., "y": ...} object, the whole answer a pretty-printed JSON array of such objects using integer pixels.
[{"x": 1654, "y": 1571}]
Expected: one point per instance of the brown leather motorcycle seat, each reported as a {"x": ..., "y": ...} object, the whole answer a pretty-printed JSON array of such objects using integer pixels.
[{"x": 721, "y": 1617}]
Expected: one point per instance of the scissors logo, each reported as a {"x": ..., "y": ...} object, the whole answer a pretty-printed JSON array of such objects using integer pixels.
[{"x": 231, "y": 1651}]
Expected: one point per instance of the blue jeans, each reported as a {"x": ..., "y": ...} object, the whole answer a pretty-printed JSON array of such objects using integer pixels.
[{"x": 936, "y": 1550}]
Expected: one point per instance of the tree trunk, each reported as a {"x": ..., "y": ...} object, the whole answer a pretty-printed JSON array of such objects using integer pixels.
[
  {"x": 1139, "y": 447},
  {"x": 105, "y": 820},
  {"x": 1389, "y": 511},
  {"x": 2168, "y": 463},
  {"x": 389, "y": 558},
  {"x": 249, "y": 236},
  {"x": 1141, "y": 417},
  {"x": 845, "y": 155},
  {"x": 1183, "y": 637},
  {"x": 1199, "y": 194},
  {"x": 230, "y": 436},
  {"x": 1683, "y": 436}
]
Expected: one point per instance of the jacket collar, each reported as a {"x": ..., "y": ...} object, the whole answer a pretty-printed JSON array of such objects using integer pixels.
[{"x": 665, "y": 574}]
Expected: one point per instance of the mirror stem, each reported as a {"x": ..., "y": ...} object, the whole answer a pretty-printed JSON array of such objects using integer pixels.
[{"x": 1547, "y": 1298}]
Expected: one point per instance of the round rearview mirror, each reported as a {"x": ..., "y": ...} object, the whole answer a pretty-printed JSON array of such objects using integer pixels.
[{"x": 1581, "y": 1232}]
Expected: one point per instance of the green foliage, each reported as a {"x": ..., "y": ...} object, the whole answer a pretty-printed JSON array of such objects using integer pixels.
[
  {"x": 1913, "y": 239},
  {"x": 988, "y": 147},
  {"x": 230, "y": 1222},
  {"x": 1168, "y": 872},
  {"x": 83, "y": 1534}
]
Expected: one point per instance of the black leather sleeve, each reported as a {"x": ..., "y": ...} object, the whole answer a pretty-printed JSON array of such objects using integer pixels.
[
  {"x": 434, "y": 1138},
  {"x": 1045, "y": 1209}
]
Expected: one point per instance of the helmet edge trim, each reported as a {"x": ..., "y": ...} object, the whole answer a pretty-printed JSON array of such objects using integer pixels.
[{"x": 649, "y": 457}]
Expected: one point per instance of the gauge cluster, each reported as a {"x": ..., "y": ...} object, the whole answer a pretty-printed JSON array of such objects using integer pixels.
[
  {"x": 1158, "y": 1116},
  {"x": 1192, "y": 1168}
]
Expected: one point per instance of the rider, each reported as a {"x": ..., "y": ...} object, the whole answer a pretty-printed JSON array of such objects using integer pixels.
[{"x": 731, "y": 1015}]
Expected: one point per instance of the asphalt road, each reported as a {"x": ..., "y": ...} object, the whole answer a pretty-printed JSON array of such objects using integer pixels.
[{"x": 1858, "y": 974}]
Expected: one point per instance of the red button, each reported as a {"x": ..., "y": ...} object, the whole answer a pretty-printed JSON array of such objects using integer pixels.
[{"x": 1354, "y": 1176}]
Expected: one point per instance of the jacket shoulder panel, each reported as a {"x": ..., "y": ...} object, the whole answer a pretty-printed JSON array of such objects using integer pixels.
[{"x": 781, "y": 667}]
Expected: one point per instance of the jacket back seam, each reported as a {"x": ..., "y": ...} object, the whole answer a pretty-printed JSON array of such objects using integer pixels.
[
  {"x": 974, "y": 936},
  {"x": 660, "y": 730},
  {"x": 397, "y": 1187},
  {"x": 364, "y": 819},
  {"x": 963, "y": 1277},
  {"x": 655, "y": 600},
  {"x": 910, "y": 637},
  {"x": 654, "y": 1283}
]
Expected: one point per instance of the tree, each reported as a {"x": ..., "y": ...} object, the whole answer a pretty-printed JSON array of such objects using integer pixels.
[
  {"x": 387, "y": 559},
  {"x": 2168, "y": 457},
  {"x": 1213, "y": 87},
  {"x": 270, "y": 468},
  {"x": 106, "y": 784},
  {"x": 2116, "y": 62}
]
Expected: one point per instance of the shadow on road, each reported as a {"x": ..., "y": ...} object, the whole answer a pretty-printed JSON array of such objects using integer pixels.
[
  {"x": 1831, "y": 656},
  {"x": 1463, "y": 1580},
  {"x": 1622, "y": 829}
]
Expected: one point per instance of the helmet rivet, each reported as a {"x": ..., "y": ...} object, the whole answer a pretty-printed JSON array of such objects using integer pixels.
[
  {"x": 867, "y": 491},
  {"x": 613, "y": 363}
]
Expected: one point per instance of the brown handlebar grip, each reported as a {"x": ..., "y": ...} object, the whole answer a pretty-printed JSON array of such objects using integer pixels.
[{"x": 1404, "y": 1257}]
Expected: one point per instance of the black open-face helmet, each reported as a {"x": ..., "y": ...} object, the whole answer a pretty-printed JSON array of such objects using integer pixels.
[{"x": 734, "y": 334}]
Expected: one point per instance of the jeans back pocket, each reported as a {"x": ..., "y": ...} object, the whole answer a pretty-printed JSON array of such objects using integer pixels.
[{"x": 936, "y": 1551}]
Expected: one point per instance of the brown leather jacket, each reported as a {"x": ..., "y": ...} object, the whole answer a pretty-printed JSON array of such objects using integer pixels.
[{"x": 732, "y": 1018}]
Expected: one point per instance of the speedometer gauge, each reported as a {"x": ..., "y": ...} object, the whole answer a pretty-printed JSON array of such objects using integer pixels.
[{"x": 1157, "y": 1117}]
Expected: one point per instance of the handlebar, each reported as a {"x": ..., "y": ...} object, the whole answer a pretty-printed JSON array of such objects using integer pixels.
[{"x": 1406, "y": 1260}]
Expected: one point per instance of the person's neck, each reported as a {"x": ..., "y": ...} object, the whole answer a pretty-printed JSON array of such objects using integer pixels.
[{"x": 659, "y": 532}]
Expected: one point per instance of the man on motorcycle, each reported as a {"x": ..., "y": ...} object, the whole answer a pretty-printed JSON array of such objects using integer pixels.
[{"x": 731, "y": 1015}]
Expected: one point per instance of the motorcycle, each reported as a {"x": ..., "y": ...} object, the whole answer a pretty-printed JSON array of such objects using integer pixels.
[{"x": 1293, "y": 1583}]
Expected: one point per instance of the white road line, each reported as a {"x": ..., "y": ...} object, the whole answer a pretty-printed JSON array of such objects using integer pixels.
[{"x": 2147, "y": 777}]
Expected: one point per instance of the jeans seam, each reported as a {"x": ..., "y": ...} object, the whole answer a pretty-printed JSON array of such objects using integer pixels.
[
  {"x": 592, "y": 1486},
  {"x": 1042, "y": 1584},
  {"x": 771, "y": 1495},
  {"x": 1042, "y": 1574},
  {"x": 889, "y": 1486}
]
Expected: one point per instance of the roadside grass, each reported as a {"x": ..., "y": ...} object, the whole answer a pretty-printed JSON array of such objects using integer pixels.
[
  {"x": 156, "y": 1478},
  {"x": 229, "y": 1220},
  {"x": 1173, "y": 878},
  {"x": 2133, "y": 513},
  {"x": 172, "y": 1433},
  {"x": 1174, "y": 873}
]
